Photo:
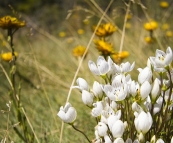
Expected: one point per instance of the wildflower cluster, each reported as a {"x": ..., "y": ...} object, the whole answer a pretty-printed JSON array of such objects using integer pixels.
[
  {"x": 105, "y": 47},
  {"x": 127, "y": 110}
]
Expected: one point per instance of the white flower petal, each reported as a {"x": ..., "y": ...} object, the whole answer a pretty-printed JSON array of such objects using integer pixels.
[
  {"x": 102, "y": 65},
  {"x": 145, "y": 90},
  {"x": 118, "y": 129},
  {"x": 93, "y": 68},
  {"x": 87, "y": 97}
]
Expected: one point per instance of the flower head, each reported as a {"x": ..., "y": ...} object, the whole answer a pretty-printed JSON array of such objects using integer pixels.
[
  {"x": 164, "y": 4},
  {"x": 101, "y": 68},
  {"x": 82, "y": 84},
  {"x": 169, "y": 33},
  {"x": 67, "y": 113},
  {"x": 103, "y": 47},
  {"x": 118, "y": 57},
  {"x": 162, "y": 59},
  {"x": 152, "y": 25},
  {"x": 143, "y": 122},
  {"x": 8, "y": 56},
  {"x": 79, "y": 51},
  {"x": 149, "y": 40},
  {"x": 62, "y": 34},
  {"x": 8, "y": 22},
  {"x": 80, "y": 31},
  {"x": 105, "y": 29}
]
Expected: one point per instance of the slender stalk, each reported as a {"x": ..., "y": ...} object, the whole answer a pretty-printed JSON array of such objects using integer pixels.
[
  {"x": 81, "y": 133},
  {"x": 124, "y": 27}
]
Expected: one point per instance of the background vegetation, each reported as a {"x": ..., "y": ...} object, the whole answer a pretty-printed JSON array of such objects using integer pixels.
[{"x": 46, "y": 65}]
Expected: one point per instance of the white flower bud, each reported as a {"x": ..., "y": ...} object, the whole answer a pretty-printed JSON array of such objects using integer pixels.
[
  {"x": 118, "y": 140},
  {"x": 145, "y": 90},
  {"x": 156, "y": 89},
  {"x": 141, "y": 137},
  {"x": 97, "y": 90},
  {"x": 160, "y": 141},
  {"x": 143, "y": 122},
  {"x": 118, "y": 129},
  {"x": 144, "y": 75},
  {"x": 102, "y": 129},
  {"x": 87, "y": 97},
  {"x": 107, "y": 139},
  {"x": 82, "y": 84},
  {"x": 68, "y": 113}
]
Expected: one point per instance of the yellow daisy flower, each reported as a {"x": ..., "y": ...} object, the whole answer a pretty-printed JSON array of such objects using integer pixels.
[
  {"x": 118, "y": 57},
  {"x": 165, "y": 26},
  {"x": 80, "y": 31},
  {"x": 79, "y": 51},
  {"x": 8, "y": 22},
  {"x": 62, "y": 34},
  {"x": 8, "y": 56},
  {"x": 169, "y": 33},
  {"x": 152, "y": 25},
  {"x": 105, "y": 29},
  {"x": 149, "y": 40},
  {"x": 103, "y": 47},
  {"x": 164, "y": 4}
]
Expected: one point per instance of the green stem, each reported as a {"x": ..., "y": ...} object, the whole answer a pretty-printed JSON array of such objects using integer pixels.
[{"x": 81, "y": 133}]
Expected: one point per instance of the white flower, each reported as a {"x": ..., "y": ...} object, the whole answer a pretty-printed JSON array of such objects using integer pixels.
[
  {"x": 118, "y": 93},
  {"x": 143, "y": 122},
  {"x": 68, "y": 113},
  {"x": 144, "y": 75},
  {"x": 82, "y": 84},
  {"x": 118, "y": 140},
  {"x": 162, "y": 59},
  {"x": 160, "y": 141},
  {"x": 129, "y": 140},
  {"x": 98, "y": 107},
  {"x": 101, "y": 129},
  {"x": 156, "y": 89},
  {"x": 136, "y": 107},
  {"x": 87, "y": 98},
  {"x": 172, "y": 139},
  {"x": 145, "y": 90},
  {"x": 124, "y": 67},
  {"x": 102, "y": 66},
  {"x": 97, "y": 90},
  {"x": 118, "y": 129},
  {"x": 134, "y": 88},
  {"x": 157, "y": 105},
  {"x": 113, "y": 118},
  {"x": 107, "y": 139}
]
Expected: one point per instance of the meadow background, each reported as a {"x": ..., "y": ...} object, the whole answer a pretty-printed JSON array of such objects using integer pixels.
[{"x": 46, "y": 65}]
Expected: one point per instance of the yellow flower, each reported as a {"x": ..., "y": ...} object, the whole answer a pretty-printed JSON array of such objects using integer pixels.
[
  {"x": 152, "y": 25},
  {"x": 129, "y": 16},
  {"x": 164, "y": 4},
  {"x": 80, "y": 31},
  {"x": 104, "y": 47},
  {"x": 105, "y": 29},
  {"x": 86, "y": 21},
  {"x": 169, "y": 33},
  {"x": 128, "y": 25},
  {"x": 165, "y": 26},
  {"x": 62, "y": 34},
  {"x": 8, "y": 56},
  {"x": 8, "y": 22},
  {"x": 148, "y": 39},
  {"x": 79, "y": 51},
  {"x": 118, "y": 57}
]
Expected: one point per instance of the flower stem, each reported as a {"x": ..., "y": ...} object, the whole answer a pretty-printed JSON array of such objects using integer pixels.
[{"x": 81, "y": 133}]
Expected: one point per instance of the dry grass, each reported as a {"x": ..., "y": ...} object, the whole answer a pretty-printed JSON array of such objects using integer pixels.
[{"x": 46, "y": 68}]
